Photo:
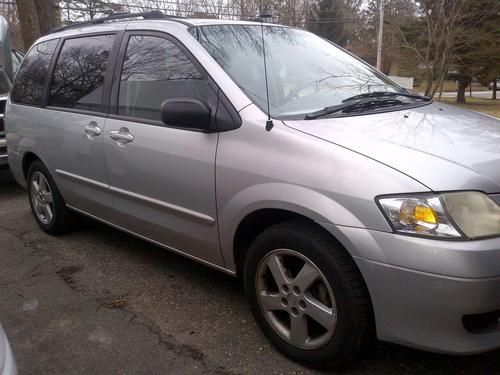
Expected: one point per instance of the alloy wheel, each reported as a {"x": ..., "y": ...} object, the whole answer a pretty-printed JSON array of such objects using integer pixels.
[
  {"x": 296, "y": 299},
  {"x": 41, "y": 198}
]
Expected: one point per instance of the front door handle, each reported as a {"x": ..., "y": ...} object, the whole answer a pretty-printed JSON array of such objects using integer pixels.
[
  {"x": 92, "y": 130},
  {"x": 121, "y": 136}
]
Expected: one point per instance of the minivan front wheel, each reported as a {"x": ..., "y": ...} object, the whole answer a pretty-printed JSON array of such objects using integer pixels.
[
  {"x": 47, "y": 204},
  {"x": 307, "y": 295}
]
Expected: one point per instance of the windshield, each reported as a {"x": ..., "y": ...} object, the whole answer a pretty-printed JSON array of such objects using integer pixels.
[{"x": 305, "y": 72}]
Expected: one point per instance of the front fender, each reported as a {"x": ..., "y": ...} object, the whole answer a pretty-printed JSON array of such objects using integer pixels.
[
  {"x": 289, "y": 170},
  {"x": 297, "y": 199}
]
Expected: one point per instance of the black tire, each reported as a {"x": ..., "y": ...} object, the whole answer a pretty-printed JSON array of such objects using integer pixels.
[
  {"x": 354, "y": 331},
  {"x": 63, "y": 219}
]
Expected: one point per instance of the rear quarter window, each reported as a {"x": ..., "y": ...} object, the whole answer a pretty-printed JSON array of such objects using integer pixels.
[{"x": 31, "y": 78}]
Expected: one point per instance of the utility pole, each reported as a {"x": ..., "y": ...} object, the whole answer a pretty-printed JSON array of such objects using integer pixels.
[{"x": 380, "y": 35}]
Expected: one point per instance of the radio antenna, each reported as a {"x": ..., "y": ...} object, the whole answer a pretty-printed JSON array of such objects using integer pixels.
[{"x": 264, "y": 14}]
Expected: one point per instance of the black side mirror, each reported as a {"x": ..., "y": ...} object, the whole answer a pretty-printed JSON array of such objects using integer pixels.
[{"x": 186, "y": 113}]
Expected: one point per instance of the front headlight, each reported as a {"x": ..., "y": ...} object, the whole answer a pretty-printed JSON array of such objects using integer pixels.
[{"x": 449, "y": 215}]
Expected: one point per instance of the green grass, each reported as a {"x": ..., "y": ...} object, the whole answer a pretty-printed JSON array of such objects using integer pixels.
[{"x": 489, "y": 106}]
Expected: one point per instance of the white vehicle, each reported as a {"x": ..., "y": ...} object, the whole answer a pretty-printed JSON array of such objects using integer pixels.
[
  {"x": 10, "y": 60},
  {"x": 7, "y": 363}
]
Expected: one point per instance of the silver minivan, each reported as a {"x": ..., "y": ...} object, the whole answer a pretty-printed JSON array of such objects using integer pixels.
[{"x": 351, "y": 208}]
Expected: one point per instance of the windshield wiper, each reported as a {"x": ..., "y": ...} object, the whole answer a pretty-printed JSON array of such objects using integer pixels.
[
  {"x": 354, "y": 106},
  {"x": 386, "y": 94}
]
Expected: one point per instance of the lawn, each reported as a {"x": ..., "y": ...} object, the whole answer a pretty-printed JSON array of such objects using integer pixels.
[
  {"x": 489, "y": 106},
  {"x": 450, "y": 86}
]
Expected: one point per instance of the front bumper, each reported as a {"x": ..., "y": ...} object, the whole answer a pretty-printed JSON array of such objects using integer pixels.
[
  {"x": 421, "y": 289},
  {"x": 426, "y": 311}
]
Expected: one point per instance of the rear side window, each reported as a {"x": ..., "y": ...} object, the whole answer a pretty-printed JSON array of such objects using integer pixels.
[
  {"x": 32, "y": 76},
  {"x": 155, "y": 69},
  {"x": 79, "y": 73}
]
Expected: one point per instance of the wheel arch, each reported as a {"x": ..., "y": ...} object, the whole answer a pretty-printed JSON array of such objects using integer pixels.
[
  {"x": 252, "y": 225},
  {"x": 255, "y": 222},
  {"x": 257, "y": 207},
  {"x": 28, "y": 158}
]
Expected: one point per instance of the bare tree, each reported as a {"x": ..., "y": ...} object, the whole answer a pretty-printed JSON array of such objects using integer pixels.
[
  {"x": 477, "y": 45},
  {"x": 363, "y": 29},
  {"x": 37, "y": 18},
  {"x": 48, "y": 15},
  {"x": 432, "y": 38},
  {"x": 75, "y": 10},
  {"x": 335, "y": 20},
  {"x": 30, "y": 27}
]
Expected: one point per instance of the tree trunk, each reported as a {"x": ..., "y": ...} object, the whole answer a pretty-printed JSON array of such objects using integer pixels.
[
  {"x": 463, "y": 83},
  {"x": 37, "y": 18},
  {"x": 464, "y": 80},
  {"x": 242, "y": 10},
  {"x": 48, "y": 14},
  {"x": 428, "y": 82},
  {"x": 494, "y": 94},
  {"x": 441, "y": 89},
  {"x": 30, "y": 27},
  {"x": 461, "y": 95}
]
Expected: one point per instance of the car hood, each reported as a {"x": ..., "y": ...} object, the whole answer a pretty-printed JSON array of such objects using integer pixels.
[{"x": 441, "y": 146}]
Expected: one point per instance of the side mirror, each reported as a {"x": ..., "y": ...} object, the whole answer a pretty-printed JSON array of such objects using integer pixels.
[{"x": 186, "y": 113}]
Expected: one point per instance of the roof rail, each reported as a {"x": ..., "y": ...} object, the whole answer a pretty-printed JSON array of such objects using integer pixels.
[{"x": 154, "y": 14}]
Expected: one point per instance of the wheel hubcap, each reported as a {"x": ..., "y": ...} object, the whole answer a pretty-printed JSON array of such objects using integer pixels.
[
  {"x": 296, "y": 299},
  {"x": 41, "y": 198}
]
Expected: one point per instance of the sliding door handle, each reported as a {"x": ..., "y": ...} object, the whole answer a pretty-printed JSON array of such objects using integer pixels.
[
  {"x": 121, "y": 136},
  {"x": 92, "y": 130}
]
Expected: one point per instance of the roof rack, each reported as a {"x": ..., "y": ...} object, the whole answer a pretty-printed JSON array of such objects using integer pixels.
[{"x": 154, "y": 14}]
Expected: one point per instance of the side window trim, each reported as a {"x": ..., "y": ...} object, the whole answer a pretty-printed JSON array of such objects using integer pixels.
[
  {"x": 50, "y": 73},
  {"x": 108, "y": 79},
  {"x": 112, "y": 63},
  {"x": 113, "y": 108},
  {"x": 117, "y": 71}
]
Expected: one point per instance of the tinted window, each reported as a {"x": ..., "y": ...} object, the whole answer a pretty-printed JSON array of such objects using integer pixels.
[
  {"x": 154, "y": 70},
  {"x": 32, "y": 76},
  {"x": 79, "y": 73}
]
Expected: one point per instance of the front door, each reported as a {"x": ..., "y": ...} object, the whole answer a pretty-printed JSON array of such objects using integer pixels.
[{"x": 162, "y": 178}]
